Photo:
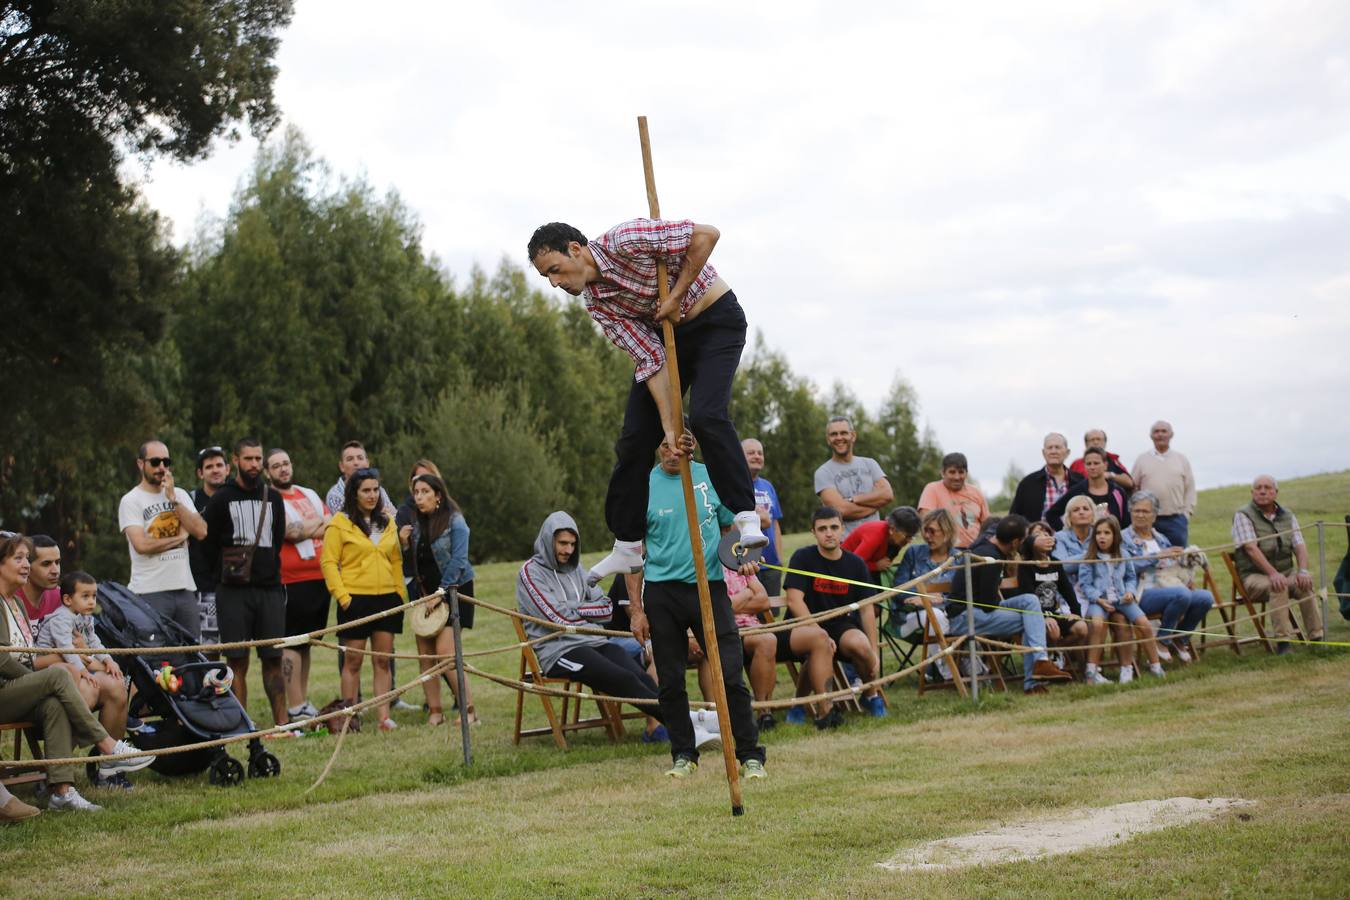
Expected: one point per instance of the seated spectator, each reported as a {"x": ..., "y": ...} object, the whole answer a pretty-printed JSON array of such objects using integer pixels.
[
  {"x": 879, "y": 542},
  {"x": 1116, "y": 473},
  {"x": 827, "y": 588},
  {"x": 1108, "y": 586},
  {"x": 1109, "y": 499},
  {"x": 97, "y": 676},
  {"x": 964, "y": 501},
  {"x": 1011, "y": 616},
  {"x": 1272, "y": 561},
  {"x": 1180, "y": 606},
  {"x": 939, "y": 539},
  {"x": 552, "y": 585},
  {"x": 363, "y": 567},
  {"x": 48, "y": 698},
  {"x": 1039, "y": 490},
  {"x": 1047, "y": 580},
  {"x": 1071, "y": 541},
  {"x": 763, "y": 652},
  {"x": 41, "y": 594}
]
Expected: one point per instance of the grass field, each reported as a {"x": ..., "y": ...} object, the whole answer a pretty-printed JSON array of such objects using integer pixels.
[{"x": 400, "y": 816}]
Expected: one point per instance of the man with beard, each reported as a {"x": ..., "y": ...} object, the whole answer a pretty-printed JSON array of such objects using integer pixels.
[
  {"x": 157, "y": 517},
  {"x": 213, "y": 470},
  {"x": 251, "y": 606}
]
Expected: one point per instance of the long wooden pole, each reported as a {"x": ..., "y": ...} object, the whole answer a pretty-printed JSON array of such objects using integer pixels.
[{"x": 691, "y": 514}]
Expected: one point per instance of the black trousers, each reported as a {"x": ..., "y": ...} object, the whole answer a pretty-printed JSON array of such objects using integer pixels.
[
  {"x": 709, "y": 350},
  {"x": 672, "y": 609},
  {"x": 609, "y": 669}
]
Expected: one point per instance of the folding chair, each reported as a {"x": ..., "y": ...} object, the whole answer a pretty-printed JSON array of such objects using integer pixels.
[
  {"x": 530, "y": 672},
  {"x": 24, "y": 774},
  {"x": 1228, "y": 612}
]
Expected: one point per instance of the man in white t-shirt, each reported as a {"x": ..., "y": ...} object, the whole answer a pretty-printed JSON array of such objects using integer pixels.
[
  {"x": 853, "y": 485},
  {"x": 158, "y": 517}
]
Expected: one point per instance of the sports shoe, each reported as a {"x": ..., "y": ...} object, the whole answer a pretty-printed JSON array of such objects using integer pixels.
[
  {"x": 752, "y": 538},
  {"x": 15, "y": 810},
  {"x": 1164, "y": 655},
  {"x": 875, "y": 706},
  {"x": 305, "y": 710},
  {"x": 683, "y": 768},
  {"x": 624, "y": 559},
  {"x": 388, "y": 725},
  {"x": 657, "y": 735},
  {"x": 1184, "y": 653},
  {"x": 1126, "y": 674},
  {"x": 130, "y": 764},
  {"x": 753, "y": 768},
  {"x": 114, "y": 781},
  {"x": 1156, "y": 670},
  {"x": 766, "y": 722},
  {"x": 1094, "y": 676},
  {"x": 136, "y": 726},
  {"x": 71, "y": 801},
  {"x": 1045, "y": 670},
  {"x": 832, "y": 719},
  {"x": 404, "y": 706},
  {"x": 796, "y": 715}
]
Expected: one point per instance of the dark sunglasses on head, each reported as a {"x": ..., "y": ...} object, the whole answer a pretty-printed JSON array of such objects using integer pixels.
[
  {"x": 203, "y": 453},
  {"x": 367, "y": 472},
  {"x": 155, "y": 462}
]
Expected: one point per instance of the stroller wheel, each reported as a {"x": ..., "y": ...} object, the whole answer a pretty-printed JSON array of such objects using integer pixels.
[
  {"x": 226, "y": 771},
  {"x": 264, "y": 765}
]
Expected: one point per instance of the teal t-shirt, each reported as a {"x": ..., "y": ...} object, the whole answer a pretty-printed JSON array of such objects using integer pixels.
[{"x": 669, "y": 557}]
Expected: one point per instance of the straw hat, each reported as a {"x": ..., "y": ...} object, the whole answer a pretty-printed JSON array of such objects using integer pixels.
[{"x": 428, "y": 622}]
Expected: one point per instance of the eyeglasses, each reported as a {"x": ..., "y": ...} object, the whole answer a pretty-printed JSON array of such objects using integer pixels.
[{"x": 155, "y": 462}]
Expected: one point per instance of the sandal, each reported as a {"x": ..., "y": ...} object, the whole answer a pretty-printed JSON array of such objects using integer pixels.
[
  {"x": 473, "y": 717},
  {"x": 436, "y": 719}
]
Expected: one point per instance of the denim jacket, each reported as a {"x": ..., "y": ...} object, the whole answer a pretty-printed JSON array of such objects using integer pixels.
[
  {"x": 1093, "y": 578},
  {"x": 1146, "y": 569},
  {"x": 1069, "y": 550},
  {"x": 451, "y": 551}
]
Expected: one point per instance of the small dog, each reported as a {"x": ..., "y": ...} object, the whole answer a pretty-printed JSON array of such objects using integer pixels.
[{"x": 1183, "y": 574}]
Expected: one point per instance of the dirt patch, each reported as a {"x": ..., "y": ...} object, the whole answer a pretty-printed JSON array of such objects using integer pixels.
[{"x": 1068, "y": 832}]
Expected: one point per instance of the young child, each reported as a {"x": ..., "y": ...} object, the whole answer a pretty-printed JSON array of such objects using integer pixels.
[
  {"x": 97, "y": 675},
  {"x": 1108, "y": 589},
  {"x": 1047, "y": 580}
]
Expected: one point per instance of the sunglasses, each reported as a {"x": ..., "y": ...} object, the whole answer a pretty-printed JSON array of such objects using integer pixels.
[
  {"x": 155, "y": 462},
  {"x": 367, "y": 472}
]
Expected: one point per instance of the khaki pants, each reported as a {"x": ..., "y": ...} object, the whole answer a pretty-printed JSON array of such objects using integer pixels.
[
  {"x": 49, "y": 699},
  {"x": 1257, "y": 588}
]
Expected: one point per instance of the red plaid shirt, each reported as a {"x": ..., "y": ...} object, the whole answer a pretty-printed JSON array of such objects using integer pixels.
[
  {"x": 624, "y": 300},
  {"x": 1054, "y": 490}
]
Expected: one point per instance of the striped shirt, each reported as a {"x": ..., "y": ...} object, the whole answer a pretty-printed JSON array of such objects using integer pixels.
[{"x": 624, "y": 300}]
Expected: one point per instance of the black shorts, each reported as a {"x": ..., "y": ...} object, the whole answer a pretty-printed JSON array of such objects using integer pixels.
[
  {"x": 363, "y": 605},
  {"x": 307, "y": 606},
  {"x": 836, "y": 627},
  {"x": 250, "y": 614}
]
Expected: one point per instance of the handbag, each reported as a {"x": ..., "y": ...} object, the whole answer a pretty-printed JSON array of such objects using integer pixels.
[{"x": 236, "y": 563}]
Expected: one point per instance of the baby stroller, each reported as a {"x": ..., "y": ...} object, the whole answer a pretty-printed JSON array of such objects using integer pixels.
[{"x": 195, "y": 712}]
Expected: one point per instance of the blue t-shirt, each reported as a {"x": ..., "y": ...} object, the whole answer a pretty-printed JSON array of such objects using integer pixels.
[
  {"x": 669, "y": 557},
  {"x": 765, "y": 495}
]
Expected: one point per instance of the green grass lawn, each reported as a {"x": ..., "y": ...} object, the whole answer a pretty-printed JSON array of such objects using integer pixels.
[{"x": 399, "y": 815}]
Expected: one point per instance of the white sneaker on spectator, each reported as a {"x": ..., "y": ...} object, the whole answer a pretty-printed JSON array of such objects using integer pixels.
[
  {"x": 1094, "y": 676},
  {"x": 71, "y": 801},
  {"x": 1183, "y": 654},
  {"x": 624, "y": 559},
  {"x": 1164, "y": 654},
  {"x": 1156, "y": 670},
  {"x": 747, "y": 523},
  {"x": 1126, "y": 674},
  {"x": 130, "y": 764}
]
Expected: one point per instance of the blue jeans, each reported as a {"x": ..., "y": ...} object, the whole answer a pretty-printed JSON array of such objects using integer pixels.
[
  {"x": 1177, "y": 528},
  {"x": 1019, "y": 615},
  {"x": 1180, "y": 607}
]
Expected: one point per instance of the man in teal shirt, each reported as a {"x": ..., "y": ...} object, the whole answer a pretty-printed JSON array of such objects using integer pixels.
[{"x": 667, "y": 608}]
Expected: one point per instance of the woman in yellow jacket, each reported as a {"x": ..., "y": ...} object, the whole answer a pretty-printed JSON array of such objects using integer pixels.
[{"x": 363, "y": 567}]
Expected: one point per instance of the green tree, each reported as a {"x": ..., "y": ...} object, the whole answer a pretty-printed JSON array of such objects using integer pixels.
[{"x": 1002, "y": 501}]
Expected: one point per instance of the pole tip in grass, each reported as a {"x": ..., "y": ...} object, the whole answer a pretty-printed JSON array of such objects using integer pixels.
[{"x": 738, "y": 810}]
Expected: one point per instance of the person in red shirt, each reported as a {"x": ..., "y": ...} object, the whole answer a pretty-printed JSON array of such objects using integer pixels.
[
  {"x": 878, "y": 543},
  {"x": 1116, "y": 473},
  {"x": 40, "y": 594}
]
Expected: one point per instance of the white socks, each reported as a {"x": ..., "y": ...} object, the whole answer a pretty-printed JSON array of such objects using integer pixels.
[{"x": 624, "y": 559}]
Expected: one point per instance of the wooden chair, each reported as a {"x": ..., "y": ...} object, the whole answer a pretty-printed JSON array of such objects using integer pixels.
[
  {"x": 23, "y": 774},
  {"x": 609, "y": 718},
  {"x": 1228, "y": 612}
]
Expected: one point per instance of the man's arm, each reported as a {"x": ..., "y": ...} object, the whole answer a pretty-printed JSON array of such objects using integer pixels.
[
  {"x": 751, "y": 599},
  {"x": 701, "y": 244},
  {"x": 850, "y": 511},
  {"x": 796, "y": 603},
  {"x": 637, "y": 616},
  {"x": 148, "y": 546},
  {"x": 877, "y": 497},
  {"x": 1188, "y": 477}
]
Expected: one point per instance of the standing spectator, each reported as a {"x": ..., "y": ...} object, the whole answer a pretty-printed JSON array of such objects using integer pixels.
[
  {"x": 1168, "y": 475},
  {"x": 1105, "y": 496},
  {"x": 406, "y": 513},
  {"x": 364, "y": 570},
  {"x": 1272, "y": 561},
  {"x": 157, "y": 517},
  {"x": 1116, "y": 472},
  {"x": 1041, "y": 489},
  {"x": 1179, "y": 606},
  {"x": 953, "y": 493},
  {"x": 770, "y": 516},
  {"x": 307, "y": 598},
  {"x": 41, "y": 594},
  {"x": 213, "y": 470},
  {"x": 879, "y": 543},
  {"x": 251, "y": 605},
  {"x": 438, "y": 542},
  {"x": 351, "y": 457},
  {"x": 854, "y": 486}
]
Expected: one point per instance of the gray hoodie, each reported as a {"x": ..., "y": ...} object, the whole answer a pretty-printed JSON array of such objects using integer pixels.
[{"x": 560, "y": 594}]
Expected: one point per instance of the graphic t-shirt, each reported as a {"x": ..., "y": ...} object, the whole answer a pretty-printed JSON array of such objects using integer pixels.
[
  {"x": 668, "y": 555},
  {"x": 858, "y": 476},
  {"x": 825, "y": 593},
  {"x": 967, "y": 506},
  {"x": 167, "y": 571},
  {"x": 767, "y": 498},
  {"x": 300, "y": 560}
]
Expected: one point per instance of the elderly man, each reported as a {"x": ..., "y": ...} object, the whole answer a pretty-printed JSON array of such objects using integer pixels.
[
  {"x": 1269, "y": 543},
  {"x": 1041, "y": 489},
  {"x": 1167, "y": 474},
  {"x": 1115, "y": 469}
]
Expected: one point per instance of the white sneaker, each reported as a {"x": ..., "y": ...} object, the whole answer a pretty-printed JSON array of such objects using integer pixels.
[
  {"x": 1126, "y": 674},
  {"x": 1156, "y": 670},
  {"x": 1093, "y": 676},
  {"x": 1164, "y": 655},
  {"x": 130, "y": 764},
  {"x": 1183, "y": 654},
  {"x": 751, "y": 535},
  {"x": 71, "y": 801},
  {"x": 624, "y": 559}
]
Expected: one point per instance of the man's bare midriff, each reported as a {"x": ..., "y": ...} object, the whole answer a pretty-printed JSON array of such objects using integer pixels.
[{"x": 713, "y": 294}]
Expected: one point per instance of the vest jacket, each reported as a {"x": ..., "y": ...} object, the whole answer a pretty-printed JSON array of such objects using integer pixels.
[{"x": 1279, "y": 550}]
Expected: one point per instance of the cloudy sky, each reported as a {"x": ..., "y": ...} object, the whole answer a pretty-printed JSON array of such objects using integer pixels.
[{"x": 1044, "y": 216}]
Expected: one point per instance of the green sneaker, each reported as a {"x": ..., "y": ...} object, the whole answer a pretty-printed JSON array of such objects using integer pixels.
[
  {"x": 683, "y": 767},
  {"x": 753, "y": 768}
]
